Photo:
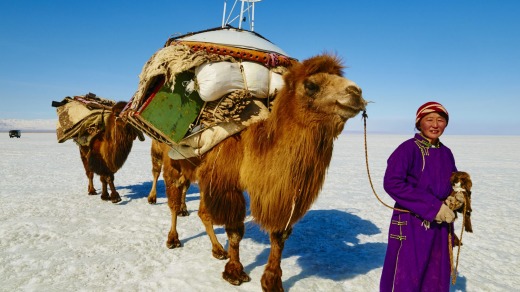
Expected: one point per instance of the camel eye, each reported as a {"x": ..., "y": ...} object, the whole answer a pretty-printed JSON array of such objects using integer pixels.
[{"x": 311, "y": 88}]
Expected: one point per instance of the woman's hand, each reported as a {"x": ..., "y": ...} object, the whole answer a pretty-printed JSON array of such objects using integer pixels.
[
  {"x": 455, "y": 201},
  {"x": 445, "y": 214}
]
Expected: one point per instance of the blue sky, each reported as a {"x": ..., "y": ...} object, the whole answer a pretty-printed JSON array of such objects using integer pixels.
[{"x": 462, "y": 53}]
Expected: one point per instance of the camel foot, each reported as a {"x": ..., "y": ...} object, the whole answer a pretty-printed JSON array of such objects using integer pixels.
[
  {"x": 183, "y": 213},
  {"x": 105, "y": 197},
  {"x": 235, "y": 274},
  {"x": 271, "y": 282},
  {"x": 171, "y": 244},
  {"x": 152, "y": 200},
  {"x": 92, "y": 193},
  {"x": 219, "y": 254},
  {"x": 115, "y": 198}
]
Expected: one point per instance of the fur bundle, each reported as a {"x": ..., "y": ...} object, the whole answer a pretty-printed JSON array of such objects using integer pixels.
[{"x": 460, "y": 198}]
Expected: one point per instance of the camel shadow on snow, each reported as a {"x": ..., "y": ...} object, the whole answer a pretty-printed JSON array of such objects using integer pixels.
[{"x": 325, "y": 242}]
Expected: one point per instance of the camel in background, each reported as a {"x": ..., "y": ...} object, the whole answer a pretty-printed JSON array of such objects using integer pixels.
[{"x": 107, "y": 152}]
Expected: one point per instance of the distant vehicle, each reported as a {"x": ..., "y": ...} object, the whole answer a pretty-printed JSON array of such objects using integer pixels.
[{"x": 15, "y": 133}]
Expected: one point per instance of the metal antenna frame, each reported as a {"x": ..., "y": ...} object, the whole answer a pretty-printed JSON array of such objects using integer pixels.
[{"x": 249, "y": 9}]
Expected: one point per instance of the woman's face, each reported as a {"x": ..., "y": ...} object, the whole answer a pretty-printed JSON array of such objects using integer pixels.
[{"x": 432, "y": 126}]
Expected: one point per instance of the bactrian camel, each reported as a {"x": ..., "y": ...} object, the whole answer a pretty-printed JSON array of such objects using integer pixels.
[
  {"x": 107, "y": 152},
  {"x": 281, "y": 162}
]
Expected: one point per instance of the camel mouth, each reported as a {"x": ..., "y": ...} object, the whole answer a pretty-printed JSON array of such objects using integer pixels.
[{"x": 350, "y": 107}]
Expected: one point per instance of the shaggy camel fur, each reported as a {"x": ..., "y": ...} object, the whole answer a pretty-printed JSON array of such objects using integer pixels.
[
  {"x": 281, "y": 162},
  {"x": 107, "y": 152}
]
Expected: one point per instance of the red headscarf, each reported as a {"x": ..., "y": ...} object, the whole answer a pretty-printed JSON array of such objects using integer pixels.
[{"x": 431, "y": 107}]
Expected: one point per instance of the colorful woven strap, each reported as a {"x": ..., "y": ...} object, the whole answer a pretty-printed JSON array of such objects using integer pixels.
[{"x": 268, "y": 59}]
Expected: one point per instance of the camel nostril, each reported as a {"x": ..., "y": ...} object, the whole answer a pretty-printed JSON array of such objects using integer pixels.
[{"x": 354, "y": 90}]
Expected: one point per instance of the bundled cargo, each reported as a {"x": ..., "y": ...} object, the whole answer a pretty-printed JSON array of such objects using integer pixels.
[
  {"x": 202, "y": 87},
  {"x": 216, "y": 79},
  {"x": 81, "y": 117}
]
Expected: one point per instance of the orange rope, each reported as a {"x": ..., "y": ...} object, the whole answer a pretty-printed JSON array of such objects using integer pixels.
[
  {"x": 454, "y": 271},
  {"x": 365, "y": 116},
  {"x": 450, "y": 249}
]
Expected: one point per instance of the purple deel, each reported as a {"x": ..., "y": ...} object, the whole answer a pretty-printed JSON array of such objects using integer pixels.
[{"x": 418, "y": 179}]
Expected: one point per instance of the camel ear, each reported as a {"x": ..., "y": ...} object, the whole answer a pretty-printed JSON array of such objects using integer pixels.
[{"x": 288, "y": 79}]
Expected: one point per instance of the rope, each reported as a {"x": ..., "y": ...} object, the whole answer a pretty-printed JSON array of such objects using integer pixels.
[
  {"x": 213, "y": 168},
  {"x": 365, "y": 116},
  {"x": 454, "y": 270},
  {"x": 450, "y": 250},
  {"x": 292, "y": 212}
]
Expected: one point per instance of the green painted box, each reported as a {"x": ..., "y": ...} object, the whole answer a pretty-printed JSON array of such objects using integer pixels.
[{"x": 172, "y": 113}]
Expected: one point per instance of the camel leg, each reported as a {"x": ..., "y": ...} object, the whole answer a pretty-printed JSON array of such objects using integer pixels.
[
  {"x": 183, "y": 184},
  {"x": 114, "y": 195},
  {"x": 217, "y": 250},
  {"x": 226, "y": 207},
  {"x": 157, "y": 163},
  {"x": 173, "y": 237},
  {"x": 272, "y": 277},
  {"x": 234, "y": 271},
  {"x": 90, "y": 175},
  {"x": 152, "y": 196},
  {"x": 173, "y": 194},
  {"x": 91, "y": 190},
  {"x": 104, "y": 188}
]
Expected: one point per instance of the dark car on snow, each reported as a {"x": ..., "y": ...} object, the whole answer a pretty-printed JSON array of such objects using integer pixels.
[{"x": 15, "y": 133}]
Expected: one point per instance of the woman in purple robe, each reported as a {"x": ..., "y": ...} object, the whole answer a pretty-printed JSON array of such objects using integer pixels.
[{"x": 418, "y": 179}]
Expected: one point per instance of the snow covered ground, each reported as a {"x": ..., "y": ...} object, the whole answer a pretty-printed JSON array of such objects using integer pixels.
[
  {"x": 54, "y": 237},
  {"x": 42, "y": 125}
]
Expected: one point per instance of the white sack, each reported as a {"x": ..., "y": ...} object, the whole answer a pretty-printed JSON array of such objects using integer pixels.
[
  {"x": 214, "y": 80},
  {"x": 256, "y": 79},
  {"x": 276, "y": 82}
]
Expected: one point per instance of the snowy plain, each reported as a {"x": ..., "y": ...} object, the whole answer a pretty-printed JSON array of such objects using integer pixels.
[{"x": 54, "y": 237}]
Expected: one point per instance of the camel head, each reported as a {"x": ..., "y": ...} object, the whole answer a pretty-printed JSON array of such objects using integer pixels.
[
  {"x": 122, "y": 123},
  {"x": 318, "y": 85}
]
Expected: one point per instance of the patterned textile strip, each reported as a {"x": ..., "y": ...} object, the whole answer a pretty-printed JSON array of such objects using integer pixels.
[{"x": 266, "y": 58}]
